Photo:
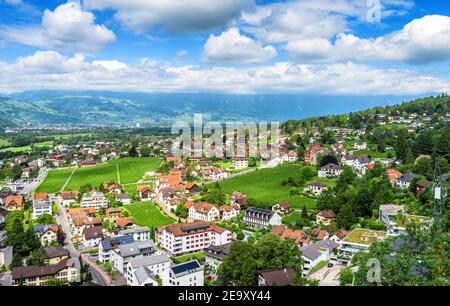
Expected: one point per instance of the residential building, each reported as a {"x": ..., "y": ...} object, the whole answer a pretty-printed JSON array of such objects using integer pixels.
[
  {"x": 325, "y": 217},
  {"x": 204, "y": 212},
  {"x": 405, "y": 181},
  {"x": 358, "y": 240},
  {"x": 138, "y": 233},
  {"x": 6, "y": 256},
  {"x": 69, "y": 197},
  {"x": 189, "y": 273},
  {"x": 122, "y": 254},
  {"x": 339, "y": 235},
  {"x": 329, "y": 170},
  {"x": 360, "y": 145},
  {"x": 228, "y": 212},
  {"x": 179, "y": 239},
  {"x": 55, "y": 254},
  {"x": 95, "y": 199},
  {"x": 125, "y": 199},
  {"x": 422, "y": 185},
  {"x": 3, "y": 215},
  {"x": 312, "y": 153},
  {"x": 238, "y": 198},
  {"x": 215, "y": 254},
  {"x": 283, "y": 277},
  {"x": 145, "y": 192},
  {"x": 113, "y": 213},
  {"x": 315, "y": 188},
  {"x": 240, "y": 162},
  {"x": 106, "y": 246},
  {"x": 261, "y": 218},
  {"x": 388, "y": 210},
  {"x": 66, "y": 271},
  {"x": 41, "y": 205},
  {"x": 146, "y": 271},
  {"x": 112, "y": 188},
  {"x": 393, "y": 175},
  {"x": 92, "y": 236},
  {"x": 315, "y": 253},
  {"x": 14, "y": 202},
  {"x": 47, "y": 234},
  {"x": 300, "y": 237},
  {"x": 319, "y": 234},
  {"x": 282, "y": 208}
]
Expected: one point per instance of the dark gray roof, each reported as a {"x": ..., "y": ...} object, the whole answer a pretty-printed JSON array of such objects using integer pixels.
[
  {"x": 259, "y": 213},
  {"x": 186, "y": 268},
  {"x": 135, "y": 248},
  {"x": 408, "y": 177}
]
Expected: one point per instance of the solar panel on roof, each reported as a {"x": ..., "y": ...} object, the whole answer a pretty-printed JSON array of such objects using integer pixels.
[{"x": 184, "y": 267}]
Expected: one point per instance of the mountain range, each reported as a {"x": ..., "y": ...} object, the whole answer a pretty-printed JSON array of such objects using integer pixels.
[{"x": 125, "y": 108}]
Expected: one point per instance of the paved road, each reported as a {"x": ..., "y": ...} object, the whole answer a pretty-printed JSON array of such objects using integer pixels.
[
  {"x": 27, "y": 187},
  {"x": 98, "y": 277}
]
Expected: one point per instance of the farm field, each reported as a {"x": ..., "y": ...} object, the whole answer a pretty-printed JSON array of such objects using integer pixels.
[
  {"x": 130, "y": 170},
  {"x": 148, "y": 214},
  {"x": 54, "y": 181},
  {"x": 264, "y": 185}
]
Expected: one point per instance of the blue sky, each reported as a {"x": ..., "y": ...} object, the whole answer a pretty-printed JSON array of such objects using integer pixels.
[{"x": 238, "y": 46}]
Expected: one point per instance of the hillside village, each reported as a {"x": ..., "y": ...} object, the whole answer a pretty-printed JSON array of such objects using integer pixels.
[{"x": 126, "y": 212}]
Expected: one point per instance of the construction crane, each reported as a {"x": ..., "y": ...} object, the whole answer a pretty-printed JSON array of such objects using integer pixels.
[{"x": 439, "y": 191}]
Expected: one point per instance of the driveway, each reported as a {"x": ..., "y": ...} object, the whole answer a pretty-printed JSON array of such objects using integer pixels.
[{"x": 328, "y": 276}]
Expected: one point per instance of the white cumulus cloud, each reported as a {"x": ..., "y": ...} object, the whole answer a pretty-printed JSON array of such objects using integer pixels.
[
  {"x": 182, "y": 16},
  {"x": 231, "y": 47},
  {"x": 51, "y": 70},
  {"x": 422, "y": 41},
  {"x": 68, "y": 27}
]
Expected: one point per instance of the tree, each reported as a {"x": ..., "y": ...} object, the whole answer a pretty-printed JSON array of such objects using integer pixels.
[
  {"x": 16, "y": 172},
  {"x": 181, "y": 211},
  {"x": 346, "y": 216},
  {"x": 240, "y": 235},
  {"x": 45, "y": 219},
  {"x": 345, "y": 277},
  {"x": 132, "y": 152},
  {"x": 37, "y": 258},
  {"x": 145, "y": 151}
]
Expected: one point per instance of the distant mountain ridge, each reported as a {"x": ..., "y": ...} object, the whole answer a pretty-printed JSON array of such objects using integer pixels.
[{"x": 112, "y": 108}]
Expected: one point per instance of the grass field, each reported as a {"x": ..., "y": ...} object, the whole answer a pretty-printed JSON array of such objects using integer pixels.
[
  {"x": 264, "y": 185},
  {"x": 375, "y": 154},
  {"x": 131, "y": 170},
  {"x": 180, "y": 259},
  {"x": 28, "y": 148},
  {"x": 54, "y": 181},
  {"x": 4, "y": 143},
  {"x": 148, "y": 214}
]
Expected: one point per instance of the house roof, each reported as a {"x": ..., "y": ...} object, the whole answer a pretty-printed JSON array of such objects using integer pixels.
[
  {"x": 391, "y": 209},
  {"x": 41, "y": 196},
  {"x": 259, "y": 213},
  {"x": 149, "y": 261},
  {"x": 123, "y": 222},
  {"x": 35, "y": 271},
  {"x": 93, "y": 232},
  {"x": 424, "y": 183},
  {"x": 135, "y": 248},
  {"x": 408, "y": 177},
  {"x": 14, "y": 200},
  {"x": 108, "y": 244},
  {"x": 342, "y": 233},
  {"x": 186, "y": 268},
  {"x": 52, "y": 252},
  {"x": 330, "y": 166},
  {"x": 278, "y": 277},
  {"x": 284, "y": 205},
  {"x": 203, "y": 207},
  {"x": 69, "y": 195},
  {"x": 328, "y": 214},
  {"x": 182, "y": 229},
  {"x": 3, "y": 212},
  {"x": 317, "y": 184}
]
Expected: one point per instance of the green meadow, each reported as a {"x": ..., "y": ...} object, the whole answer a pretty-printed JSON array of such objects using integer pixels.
[
  {"x": 54, "y": 180},
  {"x": 148, "y": 214},
  {"x": 264, "y": 185}
]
